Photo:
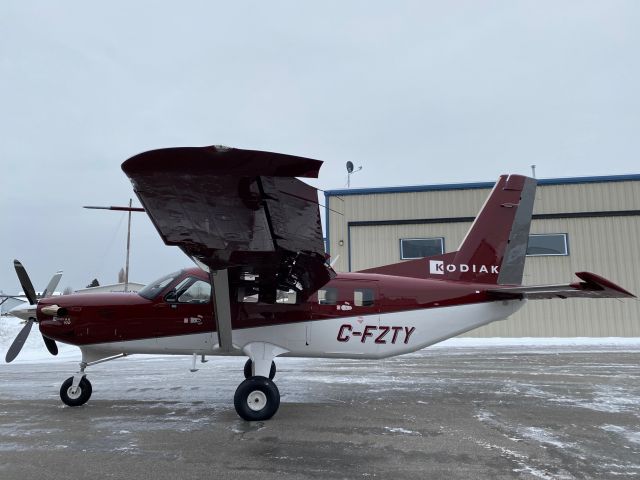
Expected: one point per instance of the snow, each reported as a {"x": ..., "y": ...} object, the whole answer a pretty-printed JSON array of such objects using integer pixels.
[
  {"x": 542, "y": 435},
  {"x": 630, "y": 435},
  {"x": 520, "y": 459},
  {"x": 34, "y": 350},
  {"x": 401, "y": 430},
  {"x": 466, "y": 342}
]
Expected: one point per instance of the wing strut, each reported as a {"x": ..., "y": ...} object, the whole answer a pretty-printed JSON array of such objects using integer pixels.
[{"x": 220, "y": 281}]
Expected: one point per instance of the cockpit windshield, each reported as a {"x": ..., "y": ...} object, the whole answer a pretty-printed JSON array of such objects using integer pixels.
[{"x": 154, "y": 288}]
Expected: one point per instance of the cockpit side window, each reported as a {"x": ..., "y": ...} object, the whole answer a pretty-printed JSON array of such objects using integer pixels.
[
  {"x": 190, "y": 290},
  {"x": 198, "y": 292},
  {"x": 154, "y": 288}
]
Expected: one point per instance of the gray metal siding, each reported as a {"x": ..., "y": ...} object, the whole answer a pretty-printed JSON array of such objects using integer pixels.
[{"x": 607, "y": 245}]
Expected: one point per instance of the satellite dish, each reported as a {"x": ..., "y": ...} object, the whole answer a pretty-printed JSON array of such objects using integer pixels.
[{"x": 349, "y": 167}]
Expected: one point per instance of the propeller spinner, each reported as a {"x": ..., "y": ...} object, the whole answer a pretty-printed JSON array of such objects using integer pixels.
[{"x": 28, "y": 312}]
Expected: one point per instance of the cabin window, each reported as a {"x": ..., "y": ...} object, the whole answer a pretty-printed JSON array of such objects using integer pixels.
[
  {"x": 248, "y": 294},
  {"x": 411, "y": 248},
  {"x": 286, "y": 296},
  {"x": 548, "y": 244},
  {"x": 328, "y": 296},
  {"x": 251, "y": 294},
  {"x": 198, "y": 292},
  {"x": 363, "y": 297}
]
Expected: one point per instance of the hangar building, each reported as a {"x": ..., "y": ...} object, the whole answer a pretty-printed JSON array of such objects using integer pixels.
[{"x": 584, "y": 223}]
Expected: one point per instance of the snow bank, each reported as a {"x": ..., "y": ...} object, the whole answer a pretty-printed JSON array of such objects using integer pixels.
[
  {"x": 459, "y": 342},
  {"x": 34, "y": 349}
]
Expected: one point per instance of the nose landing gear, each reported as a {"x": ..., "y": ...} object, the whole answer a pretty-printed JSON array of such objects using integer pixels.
[
  {"x": 74, "y": 396},
  {"x": 76, "y": 390}
]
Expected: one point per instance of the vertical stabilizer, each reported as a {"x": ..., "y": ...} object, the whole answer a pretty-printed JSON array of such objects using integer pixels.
[{"x": 495, "y": 247}]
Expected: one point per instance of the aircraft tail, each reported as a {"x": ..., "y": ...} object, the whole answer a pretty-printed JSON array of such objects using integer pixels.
[{"x": 495, "y": 246}]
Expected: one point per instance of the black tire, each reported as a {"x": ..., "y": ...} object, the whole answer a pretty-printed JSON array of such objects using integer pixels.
[
  {"x": 80, "y": 397},
  {"x": 248, "y": 373},
  {"x": 257, "y": 398}
]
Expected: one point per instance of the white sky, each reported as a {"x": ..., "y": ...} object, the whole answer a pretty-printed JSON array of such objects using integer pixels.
[{"x": 416, "y": 92}]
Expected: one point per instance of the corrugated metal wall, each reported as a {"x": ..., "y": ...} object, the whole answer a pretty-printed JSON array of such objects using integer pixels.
[{"x": 607, "y": 245}]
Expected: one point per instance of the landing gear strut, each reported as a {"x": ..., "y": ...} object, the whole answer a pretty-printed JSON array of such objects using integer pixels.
[{"x": 248, "y": 370}]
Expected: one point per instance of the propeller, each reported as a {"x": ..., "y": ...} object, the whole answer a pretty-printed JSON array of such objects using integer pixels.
[
  {"x": 17, "y": 344},
  {"x": 29, "y": 313}
]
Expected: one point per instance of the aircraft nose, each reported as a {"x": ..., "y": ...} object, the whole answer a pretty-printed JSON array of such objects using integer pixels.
[{"x": 23, "y": 311}]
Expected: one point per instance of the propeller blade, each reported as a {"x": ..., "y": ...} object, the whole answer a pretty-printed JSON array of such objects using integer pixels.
[
  {"x": 27, "y": 286},
  {"x": 51, "y": 345},
  {"x": 53, "y": 283},
  {"x": 17, "y": 344}
]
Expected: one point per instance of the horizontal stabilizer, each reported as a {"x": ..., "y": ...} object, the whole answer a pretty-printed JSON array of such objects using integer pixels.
[{"x": 592, "y": 286}]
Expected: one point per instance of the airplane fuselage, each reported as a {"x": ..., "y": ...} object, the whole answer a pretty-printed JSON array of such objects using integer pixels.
[{"x": 354, "y": 316}]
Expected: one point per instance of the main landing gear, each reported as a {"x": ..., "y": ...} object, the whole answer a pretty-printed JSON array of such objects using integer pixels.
[{"x": 258, "y": 398}]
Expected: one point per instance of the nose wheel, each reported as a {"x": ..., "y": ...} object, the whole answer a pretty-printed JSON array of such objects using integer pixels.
[{"x": 74, "y": 396}]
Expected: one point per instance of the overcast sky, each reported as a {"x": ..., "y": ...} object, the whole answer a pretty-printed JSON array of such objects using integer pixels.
[{"x": 415, "y": 92}]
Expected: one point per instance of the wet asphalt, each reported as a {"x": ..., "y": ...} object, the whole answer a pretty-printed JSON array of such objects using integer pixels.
[{"x": 490, "y": 412}]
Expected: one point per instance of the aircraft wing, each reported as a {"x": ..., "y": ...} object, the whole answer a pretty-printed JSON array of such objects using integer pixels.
[
  {"x": 592, "y": 286},
  {"x": 241, "y": 210}
]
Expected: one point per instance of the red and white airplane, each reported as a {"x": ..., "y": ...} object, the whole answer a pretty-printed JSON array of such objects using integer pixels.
[{"x": 263, "y": 287}]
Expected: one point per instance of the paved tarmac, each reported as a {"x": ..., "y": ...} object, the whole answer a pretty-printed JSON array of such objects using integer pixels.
[{"x": 492, "y": 412}]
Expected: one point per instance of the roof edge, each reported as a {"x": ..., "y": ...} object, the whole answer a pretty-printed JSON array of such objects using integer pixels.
[{"x": 478, "y": 185}]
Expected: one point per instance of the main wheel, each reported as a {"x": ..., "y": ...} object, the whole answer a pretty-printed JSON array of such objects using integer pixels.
[
  {"x": 257, "y": 398},
  {"x": 248, "y": 373},
  {"x": 81, "y": 395}
]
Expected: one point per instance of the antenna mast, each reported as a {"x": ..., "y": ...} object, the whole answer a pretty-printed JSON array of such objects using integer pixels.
[{"x": 123, "y": 209}]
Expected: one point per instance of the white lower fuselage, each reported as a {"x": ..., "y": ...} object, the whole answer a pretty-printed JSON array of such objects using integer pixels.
[{"x": 367, "y": 337}]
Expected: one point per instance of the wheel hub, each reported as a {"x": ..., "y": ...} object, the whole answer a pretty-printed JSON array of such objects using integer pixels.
[
  {"x": 74, "y": 393},
  {"x": 256, "y": 400}
]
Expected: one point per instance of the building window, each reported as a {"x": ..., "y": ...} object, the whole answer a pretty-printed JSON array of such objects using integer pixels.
[
  {"x": 547, "y": 244},
  {"x": 420, "y": 247}
]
